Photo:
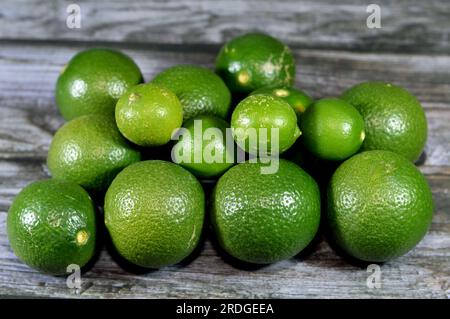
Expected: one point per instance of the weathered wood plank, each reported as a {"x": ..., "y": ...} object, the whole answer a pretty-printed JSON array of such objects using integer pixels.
[
  {"x": 407, "y": 26},
  {"x": 422, "y": 273},
  {"x": 28, "y": 72},
  {"x": 28, "y": 75}
]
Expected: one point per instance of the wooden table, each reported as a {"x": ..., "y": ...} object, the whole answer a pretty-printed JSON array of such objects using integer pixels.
[{"x": 334, "y": 50}]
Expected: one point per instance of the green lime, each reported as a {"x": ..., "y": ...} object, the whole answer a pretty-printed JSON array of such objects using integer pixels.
[
  {"x": 199, "y": 90},
  {"x": 264, "y": 124},
  {"x": 332, "y": 129},
  {"x": 264, "y": 218},
  {"x": 299, "y": 100},
  {"x": 90, "y": 151},
  {"x": 154, "y": 212},
  {"x": 202, "y": 148},
  {"x": 93, "y": 81},
  {"x": 51, "y": 225},
  {"x": 394, "y": 119},
  {"x": 252, "y": 61},
  {"x": 379, "y": 206},
  {"x": 148, "y": 114}
]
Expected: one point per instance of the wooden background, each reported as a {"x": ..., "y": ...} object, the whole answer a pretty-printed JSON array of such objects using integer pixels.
[{"x": 334, "y": 50}]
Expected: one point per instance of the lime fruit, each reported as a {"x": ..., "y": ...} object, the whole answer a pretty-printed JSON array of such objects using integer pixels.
[
  {"x": 51, "y": 225},
  {"x": 264, "y": 218},
  {"x": 200, "y": 91},
  {"x": 264, "y": 124},
  {"x": 93, "y": 81},
  {"x": 332, "y": 129},
  {"x": 202, "y": 148},
  {"x": 90, "y": 151},
  {"x": 149, "y": 114},
  {"x": 154, "y": 212},
  {"x": 379, "y": 206},
  {"x": 254, "y": 60},
  {"x": 394, "y": 119},
  {"x": 299, "y": 100}
]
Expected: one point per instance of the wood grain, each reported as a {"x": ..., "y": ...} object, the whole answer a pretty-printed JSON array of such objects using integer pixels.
[
  {"x": 29, "y": 118},
  {"x": 407, "y": 26}
]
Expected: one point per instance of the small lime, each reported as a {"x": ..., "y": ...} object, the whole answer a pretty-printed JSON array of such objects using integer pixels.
[
  {"x": 149, "y": 114},
  {"x": 332, "y": 129},
  {"x": 264, "y": 124}
]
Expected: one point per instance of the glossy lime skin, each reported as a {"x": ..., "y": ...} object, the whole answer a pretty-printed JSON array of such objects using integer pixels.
[
  {"x": 93, "y": 81},
  {"x": 200, "y": 90},
  {"x": 203, "y": 149},
  {"x": 332, "y": 129},
  {"x": 51, "y": 225},
  {"x": 394, "y": 119},
  {"x": 262, "y": 111},
  {"x": 299, "y": 100},
  {"x": 154, "y": 212},
  {"x": 254, "y": 60},
  {"x": 90, "y": 151},
  {"x": 265, "y": 218},
  {"x": 379, "y": 206},
  {"x": 148, "y": 114}
]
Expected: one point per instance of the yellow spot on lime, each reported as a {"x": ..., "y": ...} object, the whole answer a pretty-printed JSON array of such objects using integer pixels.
[
  {"x": 300, "y": 108},
  {"x": 82, "y": 237},
  {"x": 362, "y": 136},
  {"x": 133, "y": 98},
  {"x": 281, "y": 92},
  {"x": 243, "y": 77}
]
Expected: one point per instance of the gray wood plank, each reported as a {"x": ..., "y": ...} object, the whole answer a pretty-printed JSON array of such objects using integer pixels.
[
  {"x": 28, "y": 75},
  {"x": 422, "y": 273},
  {"x": 407, "y": 26}
]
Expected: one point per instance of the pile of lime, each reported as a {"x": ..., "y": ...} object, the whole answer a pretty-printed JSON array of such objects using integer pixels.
[{"x": 264, "y": 156}]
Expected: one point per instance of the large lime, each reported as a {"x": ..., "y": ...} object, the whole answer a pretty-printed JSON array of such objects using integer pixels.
[
  {"x": 154, "y": 212},
  {"x": 379, "y": 206},
  {"x": 93, "y": 81},
  {"x": 264, "y": 218},
  {"x": 51, "y": 225},
  {"x": 394, "y": 119},
  {"x": 90, "y": 151},
  {"x": 200, "y": 90},
  {"x": 252, "y": 61}
]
